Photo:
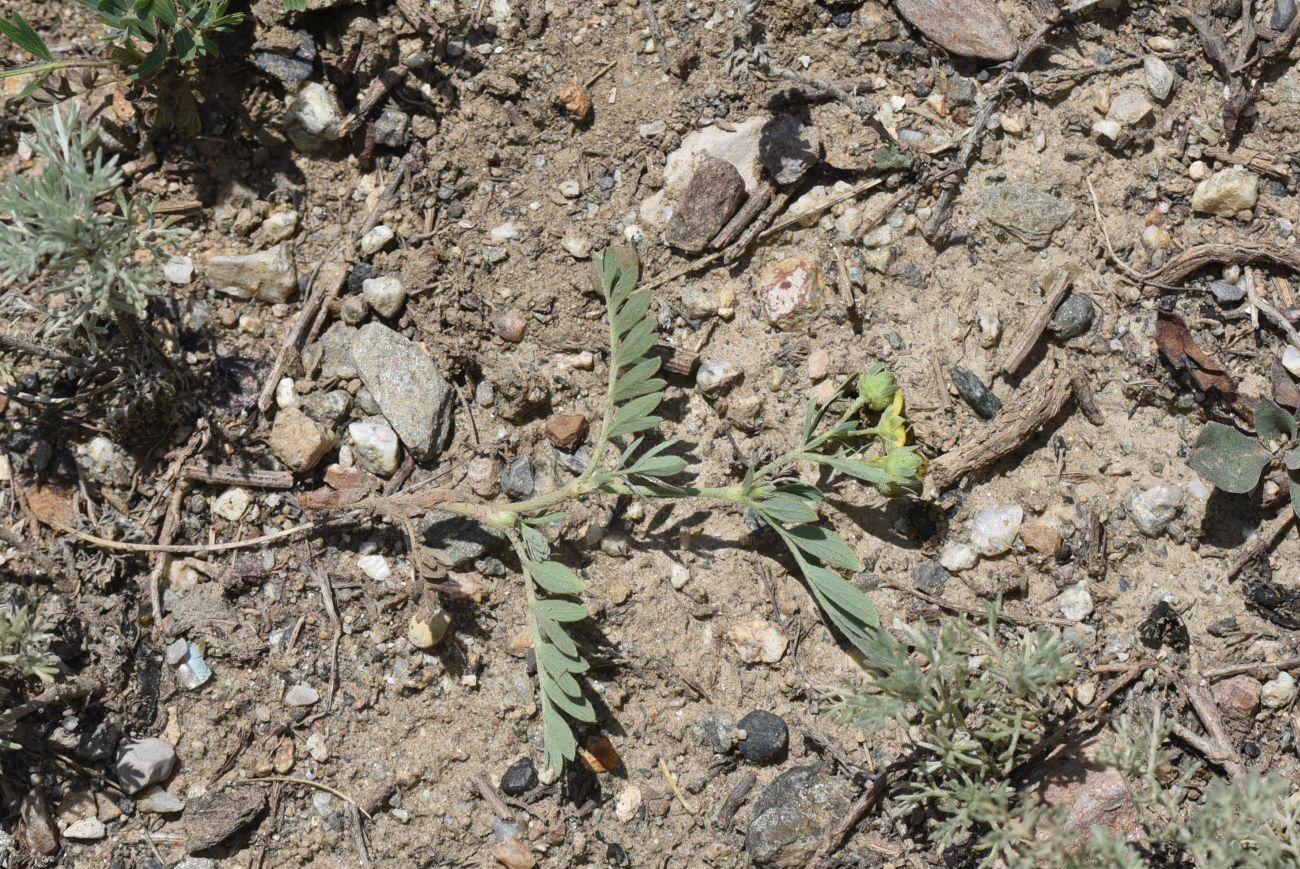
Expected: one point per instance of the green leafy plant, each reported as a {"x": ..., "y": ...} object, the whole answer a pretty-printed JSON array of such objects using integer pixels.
[
  {"x": 24, "y": 654},
  {"x": 103, "y": 261},
  {"x": 1235, "y": 462},
  {"x": 144, "y": 35},
  {"x": 859, "y": 433}
]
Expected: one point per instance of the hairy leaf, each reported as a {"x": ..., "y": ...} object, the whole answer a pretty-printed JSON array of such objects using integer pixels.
[
  {"x": 824, "y": 545},
  {"x": 786, "y": 509},
  {"x": 560, "y": 744},
  {"x": 1272, "y": 423},
  {"x": 1228, "y": 459},
  {"x": 560, "y": 610},
  {"x": 861, "y": 469},
  {"x": 555, "y": 577}
]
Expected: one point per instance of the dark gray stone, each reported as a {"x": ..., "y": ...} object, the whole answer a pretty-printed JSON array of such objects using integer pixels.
[
  {"x": 930, "y": 576},
  {"x": 766, "y": 737},
  {"x": 1227, "y": 293},
  {"x": 288, "y": 63},
  {"x": 717, "y": 731},
  {"x": 98, "y": 745},
  {"x": 519, "y": 778},
  {"x": 361, "y": 272},
  {"x": 977, "y": 394},
  {"x": 215, "y": 817},
  {"x": 336, "y": 353},
  {"x": 1073, "y": 317},
  {"x": 328, "y": 408},
  {"x": 1025, "y": 211},
  {"x": 517, "y": 479},
  {"x": 792, "y": 814},
  {"x": 788, "y": 148},
  {"x": 457, "y": 540},
  {"x": 961, "y": 91},
  {"x": 411, "y": 392},
  {"x": 714, "y": 193},
  {"x": 1283, "y": 14},
  {"x": 392, "y": 128}
]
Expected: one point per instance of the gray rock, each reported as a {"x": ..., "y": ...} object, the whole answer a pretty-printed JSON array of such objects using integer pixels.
[
  {"x": 519, "y": 778},
  {"x": 328, "y": 408},
  {"x": 287, "y": 63},
  {"x": 99, "y": 744},
  {"x": 717, "y": 731},
  {"x": 977, "y": 394},
  {"x": 268, "y": 275},
  {"x": 144, "y": 762},
  {"x": 1153, "y": 509},
  {"x": 457, "y": 540},
  {"x": 312, "y": 119},
  {"x": 517, "y": 479},
  {"x": 336, "y": 353},
  {"x": 715, "y": 374},
  {"x": 1227, "y": 293},
  {"x": 714, "y": 193},
  {"x": 970, "y": 28},
  {"x": 1283, "y": 14},
  {"x": 1029, "y": 214},
  {"x": 930, "y": 576},
  {"x": 392, "y": 128},
  {"x": 408, "y": 387},
  {"x": 375, "y": 445},
  {"x": 789, "y": 148},
  {"x": 301, "y": 695},
  {"x": 361, "y": 272},
  {"x": 159, "y": 801},
  {"x": 766, "y": 737},
  {"x": 384, "y": 294},
  {"x": 1160, "y": 78},
  {"x": 792, "y": 814},
  {"x": 961, "y": 91},
  {"x": 1073, "y": 317}
]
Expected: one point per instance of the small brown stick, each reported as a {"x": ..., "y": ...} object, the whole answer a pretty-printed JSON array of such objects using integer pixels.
[
  {"x": 1265, "y": 307},
  {"x": 735, "y": 799},
  {"x": 672, "y": 785},
  {"x": 1035, "y": 325},
  {"x": 1261, "y": 543},
  {"x": 598, "y": 74},
  {"x": 13, "y": 342},
  {"x": 359, "y": 836},
  {"x": 376, "y": 213},
  {"x": 206, "y": 472},
  {"x": 376, "y": 91},
  {"x": 321, "y": 288},
  {"x": 311, "y": 784},
  {"x": 56, "y": 695},
  {"x": 1214, "y": 253},
  {"x": 1220, "y": 748},
  {"x": 1105, "y": 234},
  {"x": 943, "y": 208},
  {"x": 190, "y": 548},
  {"x": 940, "y": 384},
  {"x": 862, "y": 106},
  {"x": 945, "y": 604},
  {"x": 490, "y": 796},
  {"x": 1259, "y": 670},
  {"x": 1243, "y": 156},
  {"x": 1014, "y": 427},
  {"x": 862, "y": 806},
  {"x": 1084, "y": 396},
  {"x": 327, "y": 600},
  {"x": 661, "y": 46},
  {"x": 742, "y": 244}
]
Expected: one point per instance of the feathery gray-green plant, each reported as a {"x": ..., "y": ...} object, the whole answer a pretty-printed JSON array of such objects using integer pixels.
[
  {"x": 103, "y": 259},
  {"x": 24, "y": 653},
  {"x": 859, "y": 433}
]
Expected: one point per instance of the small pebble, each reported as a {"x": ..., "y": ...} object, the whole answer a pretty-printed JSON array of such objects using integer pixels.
[
  {"x": 1153, "y": 509},
  {"x": 994, "y": 529},
  {"x": 144, "y": 762},
  {"x": 577, "y": 246},
  {"x": 1074, "y": 317},
  {"x": 715, "y": 374},
  {"x": 232, "y": 504},
  {"x": 1160, "y": 78},
  {"x": 385, "y": 295},
  {"x": 1075, "y": 602},
  {"x": 766, "y": 737},
  {"x": 517, "y": 479},
  {"x": 85, "y": 830},
  {"x": 1085, "y": 693},
  {"x": 519, "y": 778},
  {"x": 301, "y": 695},
  {"x": 428, "y": 629},
  {"x": 178, "y": 270},
  {"x": 627, "y": 804},
  {"x": 819, "y": 364},
  {"x": 957, "y": 557},
  {"x": 1279, "y": 691},
  {"x": 158, "y": 801},
  {"x": 511, "y": 326},
  {"x": 1227, "y": 293},
  {"x": 930, "y": 576},
  {"x": 317, "y": 748},
  {"x": 570, "y": 189},
  {"x": 975, "y": 392},
  {"x": 375, "y": 240}
]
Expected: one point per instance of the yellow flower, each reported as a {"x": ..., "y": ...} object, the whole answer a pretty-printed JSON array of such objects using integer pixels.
[{"x": 892, "y": 427}]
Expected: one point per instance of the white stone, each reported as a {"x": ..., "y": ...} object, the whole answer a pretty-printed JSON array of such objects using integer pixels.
[
  {"x": 738, "y": 145},
  {"x": 848, "y": 224},
  {"x": 374, "y": 240},
  {"x": 1198, "y": 170},
  {"x": 269, "y": 275},
  {"x": 1075, "y": 602},
  {"x": 1197, "y": 489},
  {"x": 317, "y": 748},
  {"x": 178, "y": 270},
  {"x": 385, "y": 294},
  {"x": 301, "y": 695},
  {"x": 1226, "y": 192},
  {"x": 1291, "y": 360},
  {"x": 1160, "y": 78},
  {"x": 570, "y": 189},
  {"x": 232, "y": 504},
  {"x": 144, "y": 762},
  {"x": 881, "y": 236},
  {"x": 375, "y": 566},
  {"x": 86, "y": 830},
  {"x": 715, "y": 374},
  {"x": 279, "y": 226},
  {"x": 285, "y": 395},
  {"x": 1107, "y": 129},
  {"x": 1279, "y": 691},
  {"x": 994, "y": 529},
  {"x": 628, "y": 803},
  {"x": 376, "y": 445},
  {"x": 312, "y": 117},
  {"x": 957, "y": 557},
  {"x": 101, "y": 453},
  {"x": 680, "y": 575},
  {"x": 577, "y": 246},
  {"x": 504, "y": 232},
  {"x": 759, "y": 641},
  {"x": 1130, "y": 107},
  {"x": 158, "y": 801},
  {"x": 1154, "y": 508},
  {"x": 1085, "y": 693}
]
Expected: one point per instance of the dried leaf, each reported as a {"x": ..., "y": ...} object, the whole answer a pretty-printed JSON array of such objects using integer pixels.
[
  {"x": 1284, "y": 389},
  {"x": 1182, "y": 352},
  {"x": 50, "y": 505}
]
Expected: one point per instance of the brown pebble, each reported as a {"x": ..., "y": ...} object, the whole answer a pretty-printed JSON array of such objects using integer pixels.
[
  {"x": 513, "y": 855},
  {"x": 1238, "y": 698},
  {"x": 599, "y": 754},
  {"x": 575, "y": 100},
  {"x": 1040, "y": 537},
  {"x": 511, "y": 326},
  {"x": 567, "y": 431}
]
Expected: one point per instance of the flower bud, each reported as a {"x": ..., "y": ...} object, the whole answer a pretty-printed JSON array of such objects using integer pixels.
[{"x": 877, "y": 387}]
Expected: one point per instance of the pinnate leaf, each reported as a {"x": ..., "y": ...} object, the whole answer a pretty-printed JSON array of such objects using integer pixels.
[
  {"x": 555, "y": 577},
  {"x": 824, "y": 545},
  {"x": 1228, "y": 459},
  {"x": 25, "y": 37}
]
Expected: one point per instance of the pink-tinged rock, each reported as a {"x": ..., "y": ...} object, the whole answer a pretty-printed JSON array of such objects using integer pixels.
[
  {"x": 1238, "y": 700},
  {"x": 1092, "y": 796},
  {"x": 791, "y": 290},
  {"x": 759, "y": 641},
  {"x": 970, "y": 28}
]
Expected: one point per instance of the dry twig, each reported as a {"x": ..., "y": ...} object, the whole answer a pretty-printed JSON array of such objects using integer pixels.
[{"x": 1034, "y": 326}]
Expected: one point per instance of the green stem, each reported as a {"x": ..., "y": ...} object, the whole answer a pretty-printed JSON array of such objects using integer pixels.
[{"x": 56, "y": 65}]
